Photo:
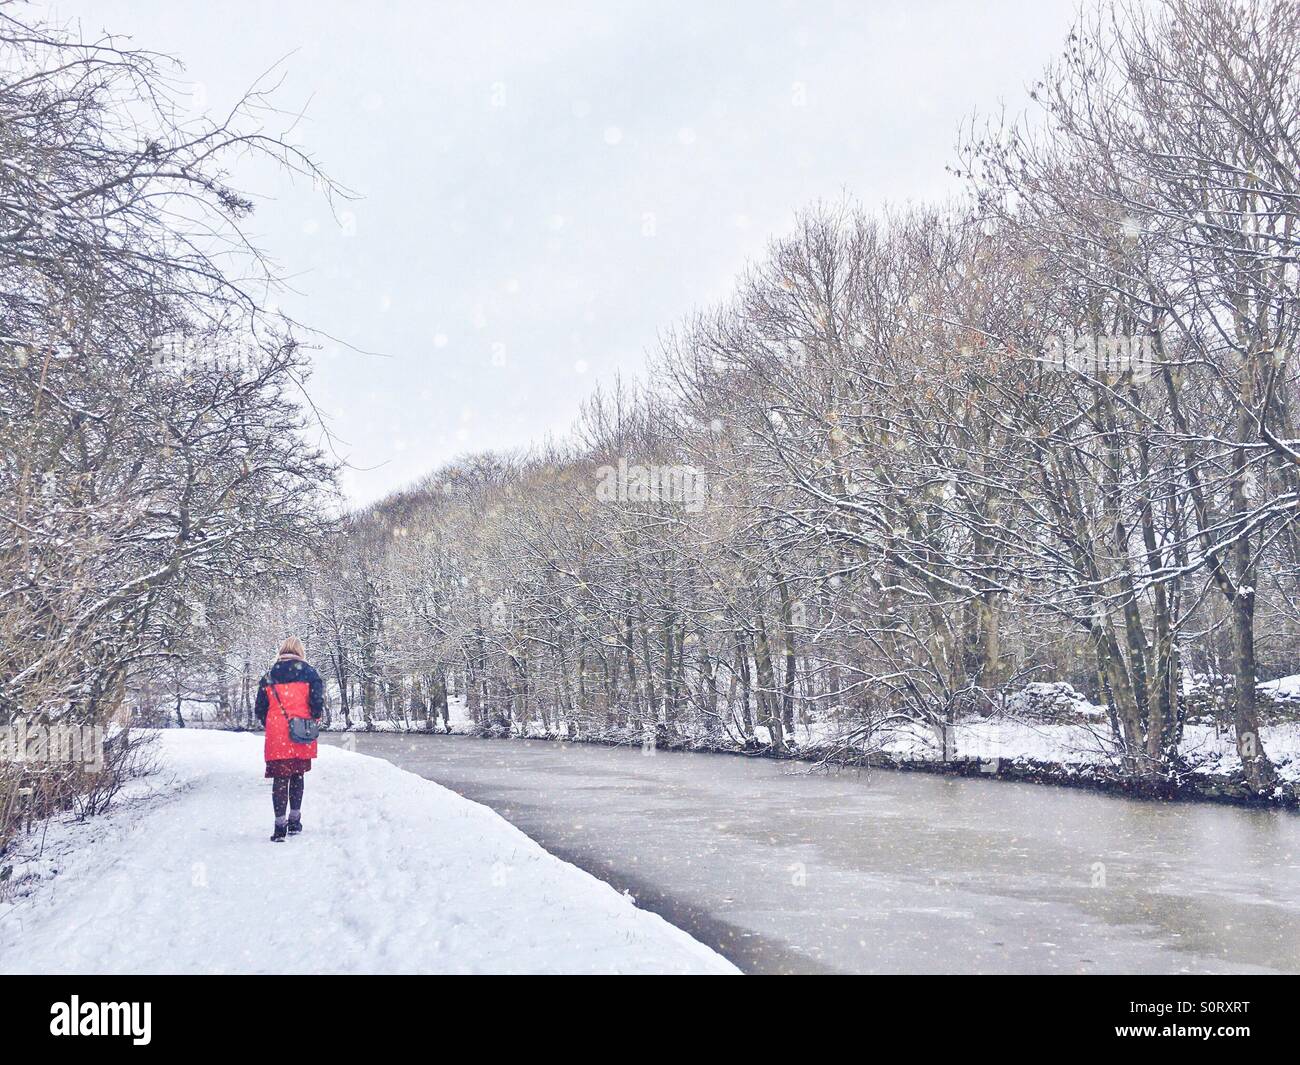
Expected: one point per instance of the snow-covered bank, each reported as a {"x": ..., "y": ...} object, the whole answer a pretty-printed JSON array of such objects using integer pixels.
[
  {"x": 393, "y": 874},
  {"x": 1071, "y": 744},
  {"x": 1082, "y": 756},
  {"x": 1051, "y": 733}
]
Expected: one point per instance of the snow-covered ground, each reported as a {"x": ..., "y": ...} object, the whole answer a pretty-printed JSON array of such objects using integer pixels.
[
  {"x": 392, "y": 874},
  {"x": 1210, "y": 752},
  {"x": 1083, "y": 739},
  {"x": 1075, "y": 734}
]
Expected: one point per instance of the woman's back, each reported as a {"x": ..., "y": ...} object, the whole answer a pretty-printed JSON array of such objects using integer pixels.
[{"x": 290, "y": 689}]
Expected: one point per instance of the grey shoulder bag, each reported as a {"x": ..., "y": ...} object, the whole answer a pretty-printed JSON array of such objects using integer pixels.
[{"x": 301, "y": 729}]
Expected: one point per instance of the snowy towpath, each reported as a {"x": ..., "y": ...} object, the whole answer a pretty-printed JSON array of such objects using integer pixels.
[{"x": 393, "y": 873}]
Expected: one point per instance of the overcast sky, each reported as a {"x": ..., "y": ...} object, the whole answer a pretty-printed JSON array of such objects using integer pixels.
[{"x": 545, "y": 186}]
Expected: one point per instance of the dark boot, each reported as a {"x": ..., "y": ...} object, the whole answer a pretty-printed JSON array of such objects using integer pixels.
[
  {"x": 278, "y": 835},
  {"x": 294, "y": 826}
]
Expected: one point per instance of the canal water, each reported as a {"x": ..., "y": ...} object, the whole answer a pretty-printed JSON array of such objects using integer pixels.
[{"x": 784, "y": 869}]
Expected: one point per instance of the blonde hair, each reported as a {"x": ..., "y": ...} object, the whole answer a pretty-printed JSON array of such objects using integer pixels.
[{"x": 293, "y": 646}]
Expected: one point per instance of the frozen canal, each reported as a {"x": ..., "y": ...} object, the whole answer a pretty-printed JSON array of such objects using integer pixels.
[{"x": 782, "y": 870}]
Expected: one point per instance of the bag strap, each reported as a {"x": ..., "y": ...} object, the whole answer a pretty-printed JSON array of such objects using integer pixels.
[{"x": 270, "y": 687}]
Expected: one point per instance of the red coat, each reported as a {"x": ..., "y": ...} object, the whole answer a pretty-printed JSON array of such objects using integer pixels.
[{"x": 291, "y": 689}]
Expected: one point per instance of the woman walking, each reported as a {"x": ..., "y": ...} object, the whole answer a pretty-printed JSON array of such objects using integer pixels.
[{"x": 290, "y": 689}]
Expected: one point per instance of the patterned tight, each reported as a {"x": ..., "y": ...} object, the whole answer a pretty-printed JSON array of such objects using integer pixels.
[{"x": 286, "y": 793}]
